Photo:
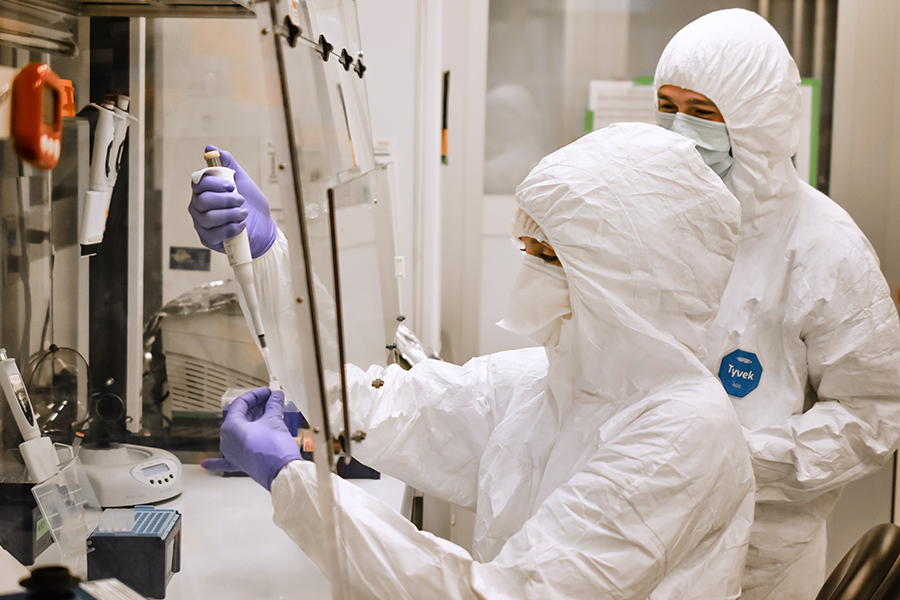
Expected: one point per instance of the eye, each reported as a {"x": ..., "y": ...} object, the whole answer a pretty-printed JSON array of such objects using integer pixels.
[
  {"x": 665, "y": 106},
  {"x": 703, "y": 113}
]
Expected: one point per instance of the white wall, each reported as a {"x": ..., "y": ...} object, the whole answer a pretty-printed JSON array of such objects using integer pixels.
[
  {"x": 596, "y": 47},
  {"x": 569, "y": 42},
  {"x": 438, "y": 207},
  {"x": 865, "y": 165},
  {"x": 387, "y": 30},
  {"x": 402, "y": 42},
  {"x": 865, "y": 180},
  {"x": 406, "y": 59},
  {"x": 465, "y": 34}
]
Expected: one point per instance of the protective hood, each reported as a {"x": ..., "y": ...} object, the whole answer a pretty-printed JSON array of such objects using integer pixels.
[
  {"x": 646, "y": 234},
  {"x": 737, "y": 60}
]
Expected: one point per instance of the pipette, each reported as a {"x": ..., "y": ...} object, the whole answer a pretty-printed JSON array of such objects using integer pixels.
[
  {"x": 109, "y": 139},
  {"x": 38, "y": 452},
  {"x": 237, "y": 249}
]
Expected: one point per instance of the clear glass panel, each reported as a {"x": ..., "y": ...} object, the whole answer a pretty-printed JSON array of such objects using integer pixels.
[
  {"x": 29, "y": 310},
  {"x": 200, "y": 344},
  {"x": 329, "y": 113},
  {"x": 336, "y": 21},
  {"x": 369, "y": 296},
  {"x": 368, "y": 283}
]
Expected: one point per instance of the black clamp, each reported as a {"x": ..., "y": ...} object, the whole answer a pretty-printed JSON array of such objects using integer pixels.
[
  {"x": 325, "y": 48},
  {"x": 346, "y": 60},
  {"x": 291, "y": 32},
  {"x": 360, "y": 68}
]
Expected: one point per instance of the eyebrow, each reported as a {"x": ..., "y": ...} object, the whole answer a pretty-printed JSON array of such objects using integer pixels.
[{"x": 699, "y": 102}]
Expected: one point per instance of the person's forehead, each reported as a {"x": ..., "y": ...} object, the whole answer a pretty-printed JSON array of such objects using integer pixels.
[{"x": 530, "y": 241}]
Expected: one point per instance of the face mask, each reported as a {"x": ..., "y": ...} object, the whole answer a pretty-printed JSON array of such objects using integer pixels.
[
  {"x": 538, "y": 303},
  {"x": 712, "y": 139}
]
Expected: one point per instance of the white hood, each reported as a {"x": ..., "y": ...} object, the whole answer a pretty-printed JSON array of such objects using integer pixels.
[
  {"x": 647, "y": 241},
  {"x": 737, "y": 60}
]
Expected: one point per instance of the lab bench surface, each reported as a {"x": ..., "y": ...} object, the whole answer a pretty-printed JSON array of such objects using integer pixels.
[{"x": 230, "y": 548}]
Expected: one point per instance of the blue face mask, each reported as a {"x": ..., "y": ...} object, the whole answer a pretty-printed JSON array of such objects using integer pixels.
[{"x": 712, "y": 139}]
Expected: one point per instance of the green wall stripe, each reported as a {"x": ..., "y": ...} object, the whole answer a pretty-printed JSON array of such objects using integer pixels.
[{"x": 816, "y": 85}]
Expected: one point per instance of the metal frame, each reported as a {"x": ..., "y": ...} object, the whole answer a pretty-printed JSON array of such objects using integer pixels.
[
  {"x": 135, "y": 301},
  {"x": 287, "y": 153},
  {"x": 145, "y": 8}
]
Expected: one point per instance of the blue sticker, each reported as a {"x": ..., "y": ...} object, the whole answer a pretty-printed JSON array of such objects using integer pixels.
[{"x": 740, "y": 372}]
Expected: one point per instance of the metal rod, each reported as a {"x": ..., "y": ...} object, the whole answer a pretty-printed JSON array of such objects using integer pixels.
[
  {"x": 137, "y": 91},
  {"x": 339, "y": 317},
  {"x": 23, "y": 197},
  {"x": 819, "y": 41},
  {"x": 763, "y": 9},
  {"x": 797, "y": 42}
]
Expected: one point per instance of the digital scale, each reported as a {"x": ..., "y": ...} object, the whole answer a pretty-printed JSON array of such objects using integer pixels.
[{"x": 126, "y": 475}]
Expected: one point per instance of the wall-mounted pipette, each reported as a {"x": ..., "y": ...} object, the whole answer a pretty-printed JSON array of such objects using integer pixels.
[
  {"x": 109, "y": 138},
  {"x": 38, "y": 451},
  {"x": 237, "y": 249}
]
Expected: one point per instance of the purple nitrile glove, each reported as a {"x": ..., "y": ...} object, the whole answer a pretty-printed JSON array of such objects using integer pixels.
[
  {"x": 220, "y": 212},
  {"x": 255, "y": 439}
]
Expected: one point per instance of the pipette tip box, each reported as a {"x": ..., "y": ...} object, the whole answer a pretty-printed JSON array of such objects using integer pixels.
[{"x": 142, "y": 552}]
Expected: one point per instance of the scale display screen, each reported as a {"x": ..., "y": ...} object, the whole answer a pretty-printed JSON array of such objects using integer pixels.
[{"x": 154, "y": 470}]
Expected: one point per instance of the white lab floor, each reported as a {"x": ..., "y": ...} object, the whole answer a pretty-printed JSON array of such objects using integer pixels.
[{"x": 230, "y": 548}]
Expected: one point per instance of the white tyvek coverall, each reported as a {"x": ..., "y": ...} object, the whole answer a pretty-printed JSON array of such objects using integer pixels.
[
  {"x": 621, "y": 473},
  {"x": 806, "y": 297}
]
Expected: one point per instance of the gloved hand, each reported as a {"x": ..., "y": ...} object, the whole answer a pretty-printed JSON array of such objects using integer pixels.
[
  {"x": 221, "y": 212},
  {"x": 254, "y": 438}
]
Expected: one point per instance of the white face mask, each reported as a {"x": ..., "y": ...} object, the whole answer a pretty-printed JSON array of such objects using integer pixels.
[
  {"x": 538, "y": 303},
  {"x": 712, "y": 139}
]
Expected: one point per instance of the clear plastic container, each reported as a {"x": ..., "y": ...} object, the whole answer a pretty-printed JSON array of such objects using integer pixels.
[{"x": 70, "y": 507}]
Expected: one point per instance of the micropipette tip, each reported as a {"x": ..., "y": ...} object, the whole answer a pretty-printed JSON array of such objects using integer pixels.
[{"x": 274, "y": 385}]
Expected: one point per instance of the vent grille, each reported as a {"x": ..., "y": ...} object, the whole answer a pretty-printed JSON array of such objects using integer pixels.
[{"x": 198, "y": 385}]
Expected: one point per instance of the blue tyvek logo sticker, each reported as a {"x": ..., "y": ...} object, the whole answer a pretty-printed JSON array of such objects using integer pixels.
[{"x": 740, "y": 372}]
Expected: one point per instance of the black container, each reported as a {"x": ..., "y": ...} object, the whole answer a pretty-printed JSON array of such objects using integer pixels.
[{"x": 23, "y": 530}]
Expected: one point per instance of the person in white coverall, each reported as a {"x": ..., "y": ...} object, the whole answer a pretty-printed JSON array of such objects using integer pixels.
[
  {"x": 607, "y": 464},
  {"x": 807, "y": 341}
]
